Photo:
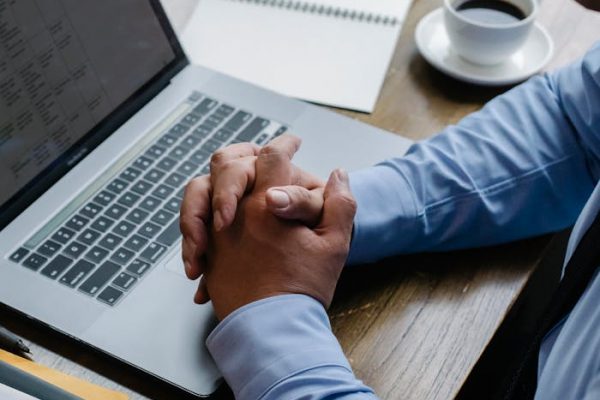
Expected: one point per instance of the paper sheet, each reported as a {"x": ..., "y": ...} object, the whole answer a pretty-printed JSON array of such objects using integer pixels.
[{"x": 334, "y": 61}]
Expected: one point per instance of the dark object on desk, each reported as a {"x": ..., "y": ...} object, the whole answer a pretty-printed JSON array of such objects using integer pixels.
[
  {"x": 10, "y": 342},
  {"x": 31, "y": 385}
]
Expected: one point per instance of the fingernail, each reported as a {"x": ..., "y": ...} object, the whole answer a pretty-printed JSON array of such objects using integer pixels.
[
  {"x": 342, "y": 175},
  {"x": 218, "y": 221},
  {"x": 279, "y": 198}
]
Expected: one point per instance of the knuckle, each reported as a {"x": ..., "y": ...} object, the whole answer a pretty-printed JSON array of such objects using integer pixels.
[{"x": 218, "y": 157}]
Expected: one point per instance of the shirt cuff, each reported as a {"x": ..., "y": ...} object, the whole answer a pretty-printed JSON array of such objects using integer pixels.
[
  {"x": 266, "y": 341},
  {"x": 386, "y": 215}
]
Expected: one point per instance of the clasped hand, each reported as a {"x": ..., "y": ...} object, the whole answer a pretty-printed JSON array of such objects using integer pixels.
[{"x": 258, "y": 226}]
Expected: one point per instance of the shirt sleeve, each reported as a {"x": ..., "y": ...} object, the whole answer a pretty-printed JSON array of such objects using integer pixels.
[
  {"x": 523, "y": 165},
  {"x": 282, "y": 347}
]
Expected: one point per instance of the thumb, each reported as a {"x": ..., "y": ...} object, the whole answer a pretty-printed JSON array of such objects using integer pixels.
[{"x": 339, "y": 206}]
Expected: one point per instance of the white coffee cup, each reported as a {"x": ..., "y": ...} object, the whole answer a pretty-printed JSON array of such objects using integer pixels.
[{"x": 487, "y": 43}]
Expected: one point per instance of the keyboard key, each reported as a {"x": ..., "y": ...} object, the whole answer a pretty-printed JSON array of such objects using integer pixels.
[
  {"x": 179, "y": 152},
  {"x": 122, "y": 256},
  {"x": 88, "y": 237},
  {"x": 253, "y": 129},
  {"x": 190, "y": 119},
  {"x": 75, "y": 249},
  {"x": 280, "y": 131},
  {"x": 195, "y": 96},
  {"x": 238, "y": 119},
  {"x": 90, "y": 210},
  {"x": 205, "y": 170},
  {"x": 181, "y": 192},
  {"x": 167, "y": 140},
  {"x": 214, "y": 120},
  {"x": 100, "y": 277},
  {"x": 153, "y": 252},
  {"x": 128, "y": 199},
  {"x": 96, "y": 254},
  {"x": 143, "y": 163},
  {"x": 137, "y": 216},
  {"x": 19, "y": 255},
  {"x": 149, "y": 230},
  {"x": 171, "y": 234},
  {"x": 175, "y": 180},
  {"x": 63, "y": 235},
  {"x": 124, "y": 281},
  {"x": 141, "y": 187},
  {"x": 35, "y": 261},
  {"x": 138, "y": 267},
  {"x": 187, "y": 168},
  {"x": 57, "y": 266},
  {"x": 110, "y": 295},
  {"x": 210, "y": 146},
  {"x": 77, "y": 222},
  {"x": 154, "y": 175},
  {"x": 190, "y": 141},
  {"x": 102, "y": 224},
  {"x": 163, "y": 191},
  {"x": 205, "y": 106},
  {"x": 117, "y": 186},
  {"x": 130, "y": 174},
  {"x": 162, "y": 217},
  {"x": 49, "y": 248},
  {"x": 135, "y": 243},
  {"x": 223, "y": 135},
  {"x": 200, "y": 156},
  {"x": 224, "y": 110},
  {"x": 149, "y": 203},
  {"x": 79, "y": 271},
  {"x": 104, "y": 198},
  {"x": 115, "y": 211},
  {"x": 203, "y": 131},
  {"x": 155, "y": 151},
  {"x": 173, "y": 205},
  {"x": 124, "y": 228},
  {"x": 167, "y": 164},
  {"x": 262, "y": 139},
  {"x": 179, "y": 130},
  {"x": 110, "y": 241}
]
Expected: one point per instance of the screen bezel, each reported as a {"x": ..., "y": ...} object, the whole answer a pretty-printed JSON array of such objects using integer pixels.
[{"x": 57, "y": 169}]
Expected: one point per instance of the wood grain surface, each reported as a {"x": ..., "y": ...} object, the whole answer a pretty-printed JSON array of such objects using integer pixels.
[{"x": 413, "y": 327}]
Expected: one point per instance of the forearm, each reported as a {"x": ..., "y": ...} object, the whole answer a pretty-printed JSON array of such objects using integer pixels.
[
  {"x": 522, "y": 166},
  {"x": 283, "y": 348}
]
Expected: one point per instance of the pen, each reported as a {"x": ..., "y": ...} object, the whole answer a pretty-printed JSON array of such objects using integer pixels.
[{"x": 10, "y": 342}]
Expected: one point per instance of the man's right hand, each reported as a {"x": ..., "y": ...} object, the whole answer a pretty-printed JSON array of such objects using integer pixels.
[{"x": 213, "y": 199}]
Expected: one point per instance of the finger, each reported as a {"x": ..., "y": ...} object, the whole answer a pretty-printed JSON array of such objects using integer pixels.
[
  {"x": 339, "y": 207},
  {"x": 202, "y": 295},
  {"x": 229, "y": 181},
  {"x": 232, "y": 152},
  {"x": 297, "y": 203},
  {"x": 273, "y": 165},
  {"x": 193, "y": 222}
]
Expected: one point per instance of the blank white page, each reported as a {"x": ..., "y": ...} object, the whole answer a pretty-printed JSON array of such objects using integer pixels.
[{"x": 324, "y": 59}]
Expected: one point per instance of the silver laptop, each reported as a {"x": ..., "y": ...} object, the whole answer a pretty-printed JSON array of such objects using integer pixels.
[{"x": 102, "y": 122}]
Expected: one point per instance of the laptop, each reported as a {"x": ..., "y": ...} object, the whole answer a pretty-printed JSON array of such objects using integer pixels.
[{"x": 102, "y": 123}]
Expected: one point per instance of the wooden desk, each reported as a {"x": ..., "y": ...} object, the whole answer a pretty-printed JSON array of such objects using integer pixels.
[{"x": 412, "y": 327}]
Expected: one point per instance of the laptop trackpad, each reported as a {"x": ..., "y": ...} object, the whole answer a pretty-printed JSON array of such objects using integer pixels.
[
  {"x": 175, "y": 264},
  {"x": 157, "y": 327}
]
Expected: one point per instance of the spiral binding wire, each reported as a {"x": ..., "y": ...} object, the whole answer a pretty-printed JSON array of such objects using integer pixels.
[{"x": 329, "y": 11}]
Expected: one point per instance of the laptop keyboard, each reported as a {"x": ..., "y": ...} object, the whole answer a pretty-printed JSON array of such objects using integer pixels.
[{"x": 123, "y": 229}]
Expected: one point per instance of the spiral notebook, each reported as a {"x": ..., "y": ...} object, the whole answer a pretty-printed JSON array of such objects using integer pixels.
[{"x": 334, "y": 52}]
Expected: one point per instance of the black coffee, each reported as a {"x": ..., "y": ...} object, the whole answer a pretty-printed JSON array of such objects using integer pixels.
[{"x": 490, "y": 11}]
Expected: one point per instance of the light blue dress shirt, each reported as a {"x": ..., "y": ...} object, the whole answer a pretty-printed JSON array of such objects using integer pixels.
[{"x": 524, "y": 165}]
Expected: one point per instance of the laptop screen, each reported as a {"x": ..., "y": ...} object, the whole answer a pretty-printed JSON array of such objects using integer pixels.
[{"x": 67, "y": 68}]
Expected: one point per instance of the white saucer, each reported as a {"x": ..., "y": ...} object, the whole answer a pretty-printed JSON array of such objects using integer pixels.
[{"x": 434, "y": 45}]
